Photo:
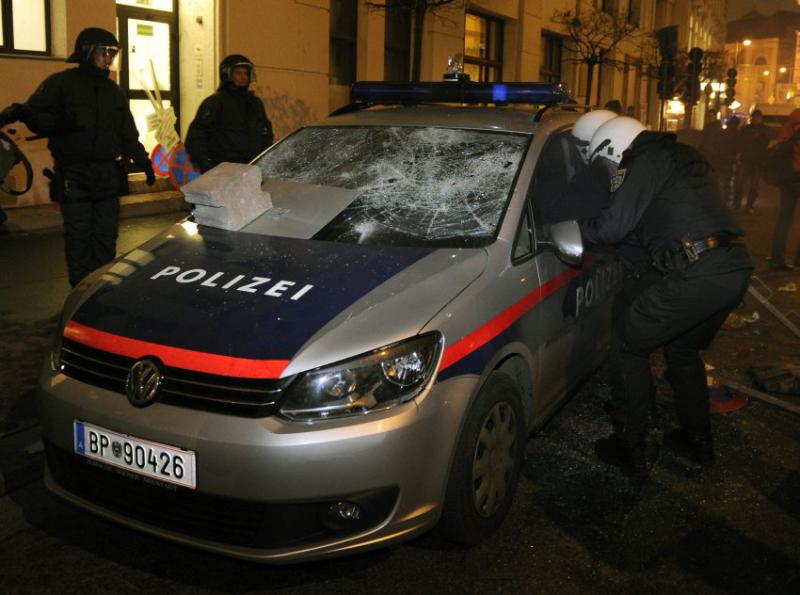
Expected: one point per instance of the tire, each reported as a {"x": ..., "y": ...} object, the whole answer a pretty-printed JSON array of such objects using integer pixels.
[{"x": 486, "y": 465}]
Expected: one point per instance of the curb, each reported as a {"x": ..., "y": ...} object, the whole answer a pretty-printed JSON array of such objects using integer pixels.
[
  {"x": 48, "y": 216},
  {"x": 21, "y": 459}
]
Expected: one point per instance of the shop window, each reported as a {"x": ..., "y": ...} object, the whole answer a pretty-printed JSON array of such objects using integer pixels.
[
  {"x": 25, "y": 26},
  {"x": 483, "y": 48},
  {"x": 397, "y": 45},
  {"x": 552, "y": 49},
  {"x": 344, "y": 29}
]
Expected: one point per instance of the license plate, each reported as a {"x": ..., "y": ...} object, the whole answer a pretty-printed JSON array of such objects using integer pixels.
[{"x": 150, "y": 459}]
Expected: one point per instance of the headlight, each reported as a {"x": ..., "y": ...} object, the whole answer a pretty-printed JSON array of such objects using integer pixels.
[{"x": 372, "y": 382}]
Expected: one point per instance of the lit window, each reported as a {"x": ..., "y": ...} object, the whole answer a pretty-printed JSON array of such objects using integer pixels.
[
  {"x": 483, "y": 48},
  {"x": 25, "y": 26}
]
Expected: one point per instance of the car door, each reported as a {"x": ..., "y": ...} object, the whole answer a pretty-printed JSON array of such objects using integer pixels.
[{"x": 576, "y": 312}]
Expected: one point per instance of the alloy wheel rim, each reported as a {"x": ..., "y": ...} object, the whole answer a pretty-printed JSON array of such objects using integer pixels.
[{"x": 493, "y": 461}]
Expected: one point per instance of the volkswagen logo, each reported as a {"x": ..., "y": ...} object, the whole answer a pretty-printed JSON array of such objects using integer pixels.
[{"x": 143, "y": 383}]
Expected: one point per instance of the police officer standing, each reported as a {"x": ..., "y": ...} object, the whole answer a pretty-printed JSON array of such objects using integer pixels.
[
  {"x": 230, "y": 125},
  {"x": 91, "y": 134},
  {"x": 664, "y": 198}
]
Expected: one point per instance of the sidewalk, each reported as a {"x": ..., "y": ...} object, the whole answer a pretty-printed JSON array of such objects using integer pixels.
[{"x": 45, "y": 216}]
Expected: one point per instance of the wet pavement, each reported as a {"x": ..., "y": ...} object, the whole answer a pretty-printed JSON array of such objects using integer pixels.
[
  {"x": 576, "y": 526},
  {"x": 33, "y": 285}
]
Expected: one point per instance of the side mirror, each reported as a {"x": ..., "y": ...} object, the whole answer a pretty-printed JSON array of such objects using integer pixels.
[{"x": 565, "y": 238}]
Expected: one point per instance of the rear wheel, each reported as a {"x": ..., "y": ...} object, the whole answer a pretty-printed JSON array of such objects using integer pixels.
[{"x": 487, "y": 463}]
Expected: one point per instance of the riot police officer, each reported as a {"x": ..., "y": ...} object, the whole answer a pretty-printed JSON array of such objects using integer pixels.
[
  {"x": 664, "y": 198},
  {"x": 232, "y": 124},
  {"x": 586, "y": 193},
  {"x": 91, "y": 135}
]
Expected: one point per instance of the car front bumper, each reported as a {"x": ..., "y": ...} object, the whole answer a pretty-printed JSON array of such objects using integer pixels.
[{"x": 265, "y": 485}]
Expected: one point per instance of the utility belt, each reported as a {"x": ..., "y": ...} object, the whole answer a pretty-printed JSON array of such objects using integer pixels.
[
  {"x": 690, "y": 251},
  {"x": 87, "y": 181}
]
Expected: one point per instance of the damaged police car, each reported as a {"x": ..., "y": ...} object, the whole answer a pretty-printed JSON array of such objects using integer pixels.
[{"x": 362, "y": 361}]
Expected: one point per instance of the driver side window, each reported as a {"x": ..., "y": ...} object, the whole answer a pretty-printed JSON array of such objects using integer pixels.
[{"x": 557, "y": 166}]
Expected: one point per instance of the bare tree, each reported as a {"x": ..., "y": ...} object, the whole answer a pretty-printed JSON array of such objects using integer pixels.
[
  {"x": 418, "y": 8},
  {"x": 593, "y": 36}
]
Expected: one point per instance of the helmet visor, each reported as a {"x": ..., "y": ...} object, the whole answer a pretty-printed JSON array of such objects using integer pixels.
[{"x": 110, "y": 51}]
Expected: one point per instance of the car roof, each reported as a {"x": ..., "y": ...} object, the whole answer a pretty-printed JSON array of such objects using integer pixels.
[{"x": 505, "y": 119}]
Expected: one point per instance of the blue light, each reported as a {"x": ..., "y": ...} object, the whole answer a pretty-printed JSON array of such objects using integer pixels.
[
  {"x": 379, "y": 92},
  {"x": 500, "y": 93}
]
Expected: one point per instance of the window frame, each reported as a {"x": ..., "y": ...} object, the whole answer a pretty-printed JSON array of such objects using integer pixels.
[
  {"x": 487, "y": 65},
  {"x": 634, "y": 16},
  {"x": 545, "y": 74},
  {"x": 338, "y": 38},
  {"x": 391, "y": 49},
  {"x": 7, "y": 47}
]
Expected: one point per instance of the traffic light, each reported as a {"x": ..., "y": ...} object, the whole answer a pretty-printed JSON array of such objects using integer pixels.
[
  {"x": 693, "y": 69},
  {"x": 666, "y": 80},
  {"x": 667, "y": 48},
  {"x": 730, "y": 86}
]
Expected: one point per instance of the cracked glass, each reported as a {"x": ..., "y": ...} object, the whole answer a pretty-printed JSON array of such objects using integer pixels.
[{"x": 414, "y": 186}]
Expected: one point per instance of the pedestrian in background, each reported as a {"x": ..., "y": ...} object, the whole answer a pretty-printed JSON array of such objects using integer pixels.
[
  {"x": 665, "y": 201},
  {"x": 231, "y": 125},
  {"x": 789, "y": 191},
  {"x": 91, "y": 135},
  {"x": 752, "y": 147}
]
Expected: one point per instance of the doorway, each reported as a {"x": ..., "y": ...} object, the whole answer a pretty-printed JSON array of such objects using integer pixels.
[{"x": 148, "y": 36}]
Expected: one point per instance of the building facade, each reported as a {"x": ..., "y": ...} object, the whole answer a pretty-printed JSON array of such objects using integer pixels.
[
  {"x": 764, "y": 50},
  {"x": 307, "y": 53}
]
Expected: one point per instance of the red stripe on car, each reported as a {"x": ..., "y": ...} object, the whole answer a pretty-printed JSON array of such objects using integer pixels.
[
  {"x": 482, "y": 335},
  {"x": 197, "y": 361}
]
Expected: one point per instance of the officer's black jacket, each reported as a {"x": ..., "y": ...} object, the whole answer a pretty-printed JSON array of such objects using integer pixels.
[
  {"x": 86, "y": 118},
  {"x": 230, "y": 125},
  {"x": 667, "y": 192}
]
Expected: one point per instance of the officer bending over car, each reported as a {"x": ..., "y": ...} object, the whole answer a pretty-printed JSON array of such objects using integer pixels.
[
  {"x": 587, "y": 193},
  {"x": 231, "y": 125},
  {"x": 665, "y": 200},
  {"x": 91, "y": 135}
]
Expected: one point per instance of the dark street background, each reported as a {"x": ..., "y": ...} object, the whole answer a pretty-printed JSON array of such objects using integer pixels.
[{"x": 576, "y": 526}]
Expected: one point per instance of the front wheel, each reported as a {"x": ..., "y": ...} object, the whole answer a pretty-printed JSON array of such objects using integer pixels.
[{"x": 487, "y": 463}]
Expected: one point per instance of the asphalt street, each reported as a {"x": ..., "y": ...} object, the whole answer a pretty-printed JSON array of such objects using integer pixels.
[{"x": 576, "y": 526}]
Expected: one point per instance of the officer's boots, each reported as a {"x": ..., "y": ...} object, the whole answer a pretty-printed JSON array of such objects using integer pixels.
[
  {"x": 631, "y": 458},
  {"x": 695, "y": 446}
]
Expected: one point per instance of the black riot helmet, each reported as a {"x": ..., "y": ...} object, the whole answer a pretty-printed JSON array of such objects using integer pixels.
[
  {"x": 88, "y": 40},
  {"x": 229, "y": 63}
]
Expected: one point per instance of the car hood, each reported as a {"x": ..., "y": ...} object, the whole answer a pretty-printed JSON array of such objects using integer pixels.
[{"x": 250, "y": 305}]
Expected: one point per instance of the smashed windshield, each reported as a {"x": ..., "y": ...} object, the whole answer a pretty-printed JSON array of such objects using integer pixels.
[{"x": 407, "y": 185}]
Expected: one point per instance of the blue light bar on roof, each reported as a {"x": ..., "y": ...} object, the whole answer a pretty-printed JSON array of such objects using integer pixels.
[{"x": 379, "y": 92}]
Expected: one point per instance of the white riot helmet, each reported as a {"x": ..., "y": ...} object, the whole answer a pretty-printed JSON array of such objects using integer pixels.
[
  {"x": 586, "y": 126},
  {"x": 614, "y": 137}
]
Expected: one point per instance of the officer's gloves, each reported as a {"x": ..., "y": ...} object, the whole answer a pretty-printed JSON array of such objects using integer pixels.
[
  {"x": 150, "y": 174},
  {"x": 13, "y": 113}
]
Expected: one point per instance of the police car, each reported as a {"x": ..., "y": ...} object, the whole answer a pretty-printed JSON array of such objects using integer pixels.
[{"x": 360, "y": 363}]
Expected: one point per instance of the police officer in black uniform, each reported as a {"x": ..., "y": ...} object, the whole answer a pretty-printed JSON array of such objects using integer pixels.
[
  {"x": 91, "y": 135},
  {"x": 664, "y": 198},
  {"x": 230, "y": 125}
]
